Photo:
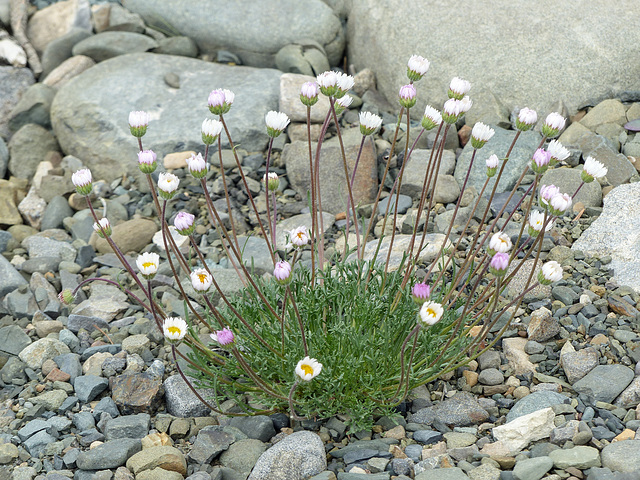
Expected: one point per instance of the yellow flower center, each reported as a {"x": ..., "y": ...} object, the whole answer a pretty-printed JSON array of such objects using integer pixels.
[
  {"x": 307, "y": 369},
  {"x": 431, "y": 312},
  {"x": 147, "y": 264},
  {"x": 202, "y": 277},
  {"x": 173, "y": 330},
  {"x": 300, "y": 235}
]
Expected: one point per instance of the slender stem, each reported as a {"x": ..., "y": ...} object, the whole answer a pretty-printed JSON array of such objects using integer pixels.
[
  {"x": 294, "y": 415},
  {"x": 351, "y": 182},
  {"x": 266, "y": 195},
  {"x": 314, "y": 205},
  {"x": 191, "y": 387},
  {"x": 226, "y": 192},
  {"x": 295, "y": 308}
]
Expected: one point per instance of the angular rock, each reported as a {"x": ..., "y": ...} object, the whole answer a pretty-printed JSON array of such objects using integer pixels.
[
  {"x": 242, "y": 455},
  {"x": 513, "y": 349},
  {"x": 460, "y": 410},
  {"x": 314, "y": 21},
  {"x": 259, "y": 427},
  {"x": 127, "y": 426},
  {"x": 605, "y": 382},
  {"x": 414, "y": 171},
  {"x": 518, "y": 433},
  {"x": 631, "y": 396},
  {"x": 33, "y": 107},
  {"x": 542, "y": 326},
  {"x": 13, "y": 340},
  {"x": 607, "y": 111},
  {"x": 181, "y": 401},
  {"x": 210, "y": 442},
  {"x": 333, "y": 186},
  {"x": 619, "y": 168},
  {"x": 109, "y": 455},
  {"x": 139, "y": 78},
  {"x": 88, "y": 387},
  {"x": 136, "y": 392},
  {"x": 577, "y": 364},
  {"x": 376, "y": 45},
  {"x": 59, "y": 49}
]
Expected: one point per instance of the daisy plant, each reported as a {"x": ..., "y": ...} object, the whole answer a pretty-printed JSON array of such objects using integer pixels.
[{"x": 344, "y": 332}]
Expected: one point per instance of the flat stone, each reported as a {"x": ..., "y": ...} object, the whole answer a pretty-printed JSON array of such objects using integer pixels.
[
  {"x": 13, "y": 340},
  {"x": 106, "y": 45},
  {"x": 67, "y": 70},
  {"x": 130, "y": 236},
  {"x": 333, "y": 187},
  {"x": 290, "y": 84},
  {"x": 51, "y": 400},
  {"x": 453, "y": 473},
  {"x": 296, "y": 457},
  {"x": 581, "y": 457},
  {"x": 630, "y": 397},
  {"x": 136, "y": 392},
  {"x": 111, "y": 454},
  {"x": 532, "y": 468},
  {"x": 432, "y": 245},
  {"x": 259, "y": 427},
  {"x": 568, "y": 180},
  {"x": 139, "y": 77},
  {"x": 315, "y": 21},
  {"x": 56, "y": 20},
  {"x": 33, "y": 107},
  {"x": 460, "y": 410},
  {"x": 577, "y": 364},
  {"x": 243, "y": 455},
  {"x": 623, "y": 456},
  {"x": 533, "y": 402},
  {"x": 605, "y": 382},
  {"x": 210, "y": 442},
  {"x": 127, "y": 426},
  {"x": 59, "y": 50},
  {"x": 28, "y": 147},
  {"x": 374, "y": 44},
  {"x": 619, "y": 168},
  {"x": 415, "y": 169},
  {"x": 14, "y": 82}
]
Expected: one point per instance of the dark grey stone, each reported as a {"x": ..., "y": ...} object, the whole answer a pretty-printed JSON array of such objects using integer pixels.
[
  {"x": 182, "y": 46},
  {"x": 33, "y": 427},
  {"x": 128, "y": 426},
  {"x": 181, "y": 401},
  {"x": 57, "y": 210},
  {"x": 112, "y": 349},
  {"x": 404, "y": 204},
  {"x": 605, "y": 382},
  {"x": 85, "y": 256},
  {"x": 534, "y": 402},
  {"x": 106, "y": 405},
  {"x": 111, "y": 454},
  {"x": 41, "y": 265},
  {"x": 84, "y": 421},
  {"x": 88, "y": 387},
  {"x": 4, "y": 161},
  {"x": 69, "y": 363},
  {"x": 28, "y": 147},
  {"x": 427, "y": 437},
  {"x": 21, "y": 302},
  {"x": 565, "y": 294},
  {"x": 499, "y": 144},
  {"x": 59, "y": 50},
  {"x": 460, "y": 410},
  {"x": 13, "y": 83},
  {"x": 259, "y": 427},
  {"x": 77, "y": 322},
  {"x": 33, "y": 107},
  {"x": 36, "y": 443},
  {"x": 13, "y": 340},
  {"x": 10, "y": 278},
  {"x": 210, "y": 442}
]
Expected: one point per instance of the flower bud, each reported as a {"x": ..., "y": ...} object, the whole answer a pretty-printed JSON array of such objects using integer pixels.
[
  {"x": 527, "y": 118},
  {"x": 282, "y": 272},
  {"x": 458, "y": 88},
  {"x": 225, "y": 338},
  {"x": 431, "y": 119},
  {"x": 82, "y": 181},
  {"x": 481, "y": 134},
  {"x": 592, "y": 169},
  {"x": 417, "y": 67},
  {"x": 420, "y": 293},
  {"x": 66, "y": 296},
  {"x": 272, "y": 183},
  {"x": 197, "y": 166},
  {"x": 138, "y": 123},
  {"x": 184, "y": 223},
  {"x": 102, "y": 227},
  {"x": 147, "y": 161},
  {"x": 546, "y": 194},
  {"x": 309, "y": 93},
  {"x": 540, "y": 161},
  {"x": 560, "y": 203},
  {"x": 549, "y": 273},
  {"x": 276, "y": 123},
  {"x": 499, "y": 264},
  {"x": 492, "y": 165},
  {"x": 342, "y": 104},
  {"x": 211, "y": 129},
  {"x": 369, "y": 123},
  {"x": 553, "y": 124},
  {"x": 220, "y": 101},
  {"x": 167, "y": 185},
  {"x": 407, "y": 96}
]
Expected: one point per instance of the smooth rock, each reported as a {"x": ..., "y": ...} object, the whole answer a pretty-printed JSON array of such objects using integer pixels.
[
  {"x": 138, "y": 79},
  {"x": 165, "y": 457},
  {"x": 613, "y": 233},
  {"x": 59, "y": 50},
  {"x": 33, "y": 107},
  {"x": 581, "y": 457},
  {"x": 619, "y": 168},
  {"x": 289, "y": 103},
  {"x": 130, "y": 236},
  {"x": 243, "y": 455},
  {"x": 296, "y": 457},
  {"x": 28, "y": 147},
  {"x": 13, "y": 83},
  {"x": 622, "y": 456},
  {"x": 127, "y": 426},
  {"x": 415, "y": 169},
  {"x": 432, "y": 245},
  {"x": 534, "y": 402},
  {"x": 67, "y": 70},
  {"x": 532, "y": 468},
  {"x": 374, "y": 43},
  {"x": 106, "y": 45},
  {"x": 56, "y": 20},
  {"x": 259, "y": 427},
  {"x": 605, "y": 382},
  {"x": 314, "y": 21}
]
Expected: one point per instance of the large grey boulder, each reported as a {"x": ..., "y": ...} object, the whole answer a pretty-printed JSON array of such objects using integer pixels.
[
  {"x": 498, "y": 46},
  {"x": 616, "y": 232},
  {"x": 90, "y": 113},
  {"x": 254, "y": 31}
]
